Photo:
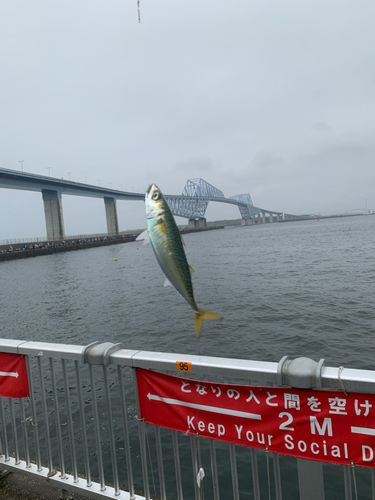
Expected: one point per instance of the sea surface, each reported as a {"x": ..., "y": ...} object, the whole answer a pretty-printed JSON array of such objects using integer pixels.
[{"x": 298, "y": 289}]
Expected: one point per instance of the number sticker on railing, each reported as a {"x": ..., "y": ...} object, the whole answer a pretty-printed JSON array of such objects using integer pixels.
[{"x": 184, "y": 366}]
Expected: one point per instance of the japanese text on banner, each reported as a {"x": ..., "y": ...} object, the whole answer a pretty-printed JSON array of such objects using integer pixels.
[{"x": 317, "y": 425}]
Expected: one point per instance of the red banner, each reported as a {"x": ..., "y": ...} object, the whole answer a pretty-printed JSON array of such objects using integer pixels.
[
  {"x": 317, "y": 425},
  {"x": 14, "y": 382}
]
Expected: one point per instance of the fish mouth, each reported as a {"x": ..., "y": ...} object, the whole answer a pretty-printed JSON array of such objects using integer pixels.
[{"x": 149, "y": 188}]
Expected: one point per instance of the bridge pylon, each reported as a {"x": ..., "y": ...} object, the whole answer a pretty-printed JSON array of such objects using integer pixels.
[
  {"x": 193, "y": 202},
  {"x": 197, "y": 193},
  {"x": 246, "y": 205}
]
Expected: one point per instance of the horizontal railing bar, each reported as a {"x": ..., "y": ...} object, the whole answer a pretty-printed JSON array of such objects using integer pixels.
[
  {"x": 48, "y": 349},
  {"x": 354, "y": 380},
  {"x": 201, "y": 364},
  {"x": 68, "y": 483},
  {"x": 10, "y": 345},
  {"x": 351, "y": 379}
]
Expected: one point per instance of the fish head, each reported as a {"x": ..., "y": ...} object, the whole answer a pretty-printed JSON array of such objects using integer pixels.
[{"x": 155, "y": 202}]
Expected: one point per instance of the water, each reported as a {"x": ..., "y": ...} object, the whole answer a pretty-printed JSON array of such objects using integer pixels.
[{"x": 297, "y": 289}]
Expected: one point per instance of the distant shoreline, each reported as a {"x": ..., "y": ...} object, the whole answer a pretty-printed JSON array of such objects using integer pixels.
[{"x": 48, "y": 248}]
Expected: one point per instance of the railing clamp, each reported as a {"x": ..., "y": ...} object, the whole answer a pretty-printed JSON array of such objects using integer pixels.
[
  {"x": 98, "y": 353},
  {"x": 301, "y": 373}
]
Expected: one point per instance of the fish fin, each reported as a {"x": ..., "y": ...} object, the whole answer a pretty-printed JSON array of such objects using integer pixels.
[
  {"x": 201, "y": 315},
  {"x": 162, "y": 227},
  {"x": 143, "y": 236},
  {"x": 191, "y": 270},
  {"x": 167, "y": 282},
  {"x": 160, "y": 224}
]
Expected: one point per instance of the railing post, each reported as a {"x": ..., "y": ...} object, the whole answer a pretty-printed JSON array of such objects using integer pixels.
[
  {"x": 304, "y": 373},
  {"x": 99, "y": 354}
]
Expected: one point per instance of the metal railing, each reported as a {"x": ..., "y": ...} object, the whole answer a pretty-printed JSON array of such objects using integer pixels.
[
  {"x": 43, "y": 239},
  {"x": 80, "y": 430}
]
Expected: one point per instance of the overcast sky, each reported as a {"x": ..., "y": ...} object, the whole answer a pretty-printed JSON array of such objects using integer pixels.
[{"x": 274, "y": 98}]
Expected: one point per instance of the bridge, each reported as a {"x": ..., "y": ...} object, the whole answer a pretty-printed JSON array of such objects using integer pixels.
[
  {"x": 191, "y": 204},
  {"x": 196, "y": 195},
  {"x": 358, "y": 211}
]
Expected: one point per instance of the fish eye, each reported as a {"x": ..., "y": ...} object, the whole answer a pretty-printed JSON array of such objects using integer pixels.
[{"x": 156, "y": 195}]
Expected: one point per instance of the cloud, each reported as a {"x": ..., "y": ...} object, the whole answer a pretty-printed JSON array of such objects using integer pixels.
[
  {"x": 265, "y": 160},
  {"x": 202, "y": 165},
  {"x": 322, "y": 126},
  {"x": 272, "y": 99}
]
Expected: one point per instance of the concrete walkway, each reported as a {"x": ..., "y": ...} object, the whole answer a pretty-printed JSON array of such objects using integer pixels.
[{"x": 20, "y": 487}]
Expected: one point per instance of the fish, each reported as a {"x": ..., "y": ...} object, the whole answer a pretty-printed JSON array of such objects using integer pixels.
[{"x": 167, "y": 244}]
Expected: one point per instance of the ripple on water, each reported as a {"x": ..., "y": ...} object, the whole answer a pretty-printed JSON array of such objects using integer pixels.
[{"x": 297, "y": 289}]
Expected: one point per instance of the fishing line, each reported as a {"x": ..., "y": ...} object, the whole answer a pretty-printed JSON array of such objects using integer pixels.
[
  {"x": 139, "y": 10},
  {"x": 340, "y": 381}
]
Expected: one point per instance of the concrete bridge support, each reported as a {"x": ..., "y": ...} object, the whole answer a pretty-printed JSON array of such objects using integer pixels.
[
  {"x": 111, "y": 215},
  {"x": 248, "y": 222},
  {"x": 263, "y": 217},
  {"x": 54, "y": 214},
  {"x": 271, "y": 217},
  {"x": 197, "y": 223}
]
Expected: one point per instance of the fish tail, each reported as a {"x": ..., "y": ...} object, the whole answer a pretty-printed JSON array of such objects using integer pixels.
[{"x": 201, "y": 315}]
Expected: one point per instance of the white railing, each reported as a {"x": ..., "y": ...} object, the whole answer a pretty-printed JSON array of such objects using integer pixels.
[{"x": 80, "y": 429}]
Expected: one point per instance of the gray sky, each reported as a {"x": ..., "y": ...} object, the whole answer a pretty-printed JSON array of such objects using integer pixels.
[{"x": 273, "y": 98}]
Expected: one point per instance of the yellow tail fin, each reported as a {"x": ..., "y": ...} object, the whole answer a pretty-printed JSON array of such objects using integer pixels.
[{"x": 201, "y": 315}]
